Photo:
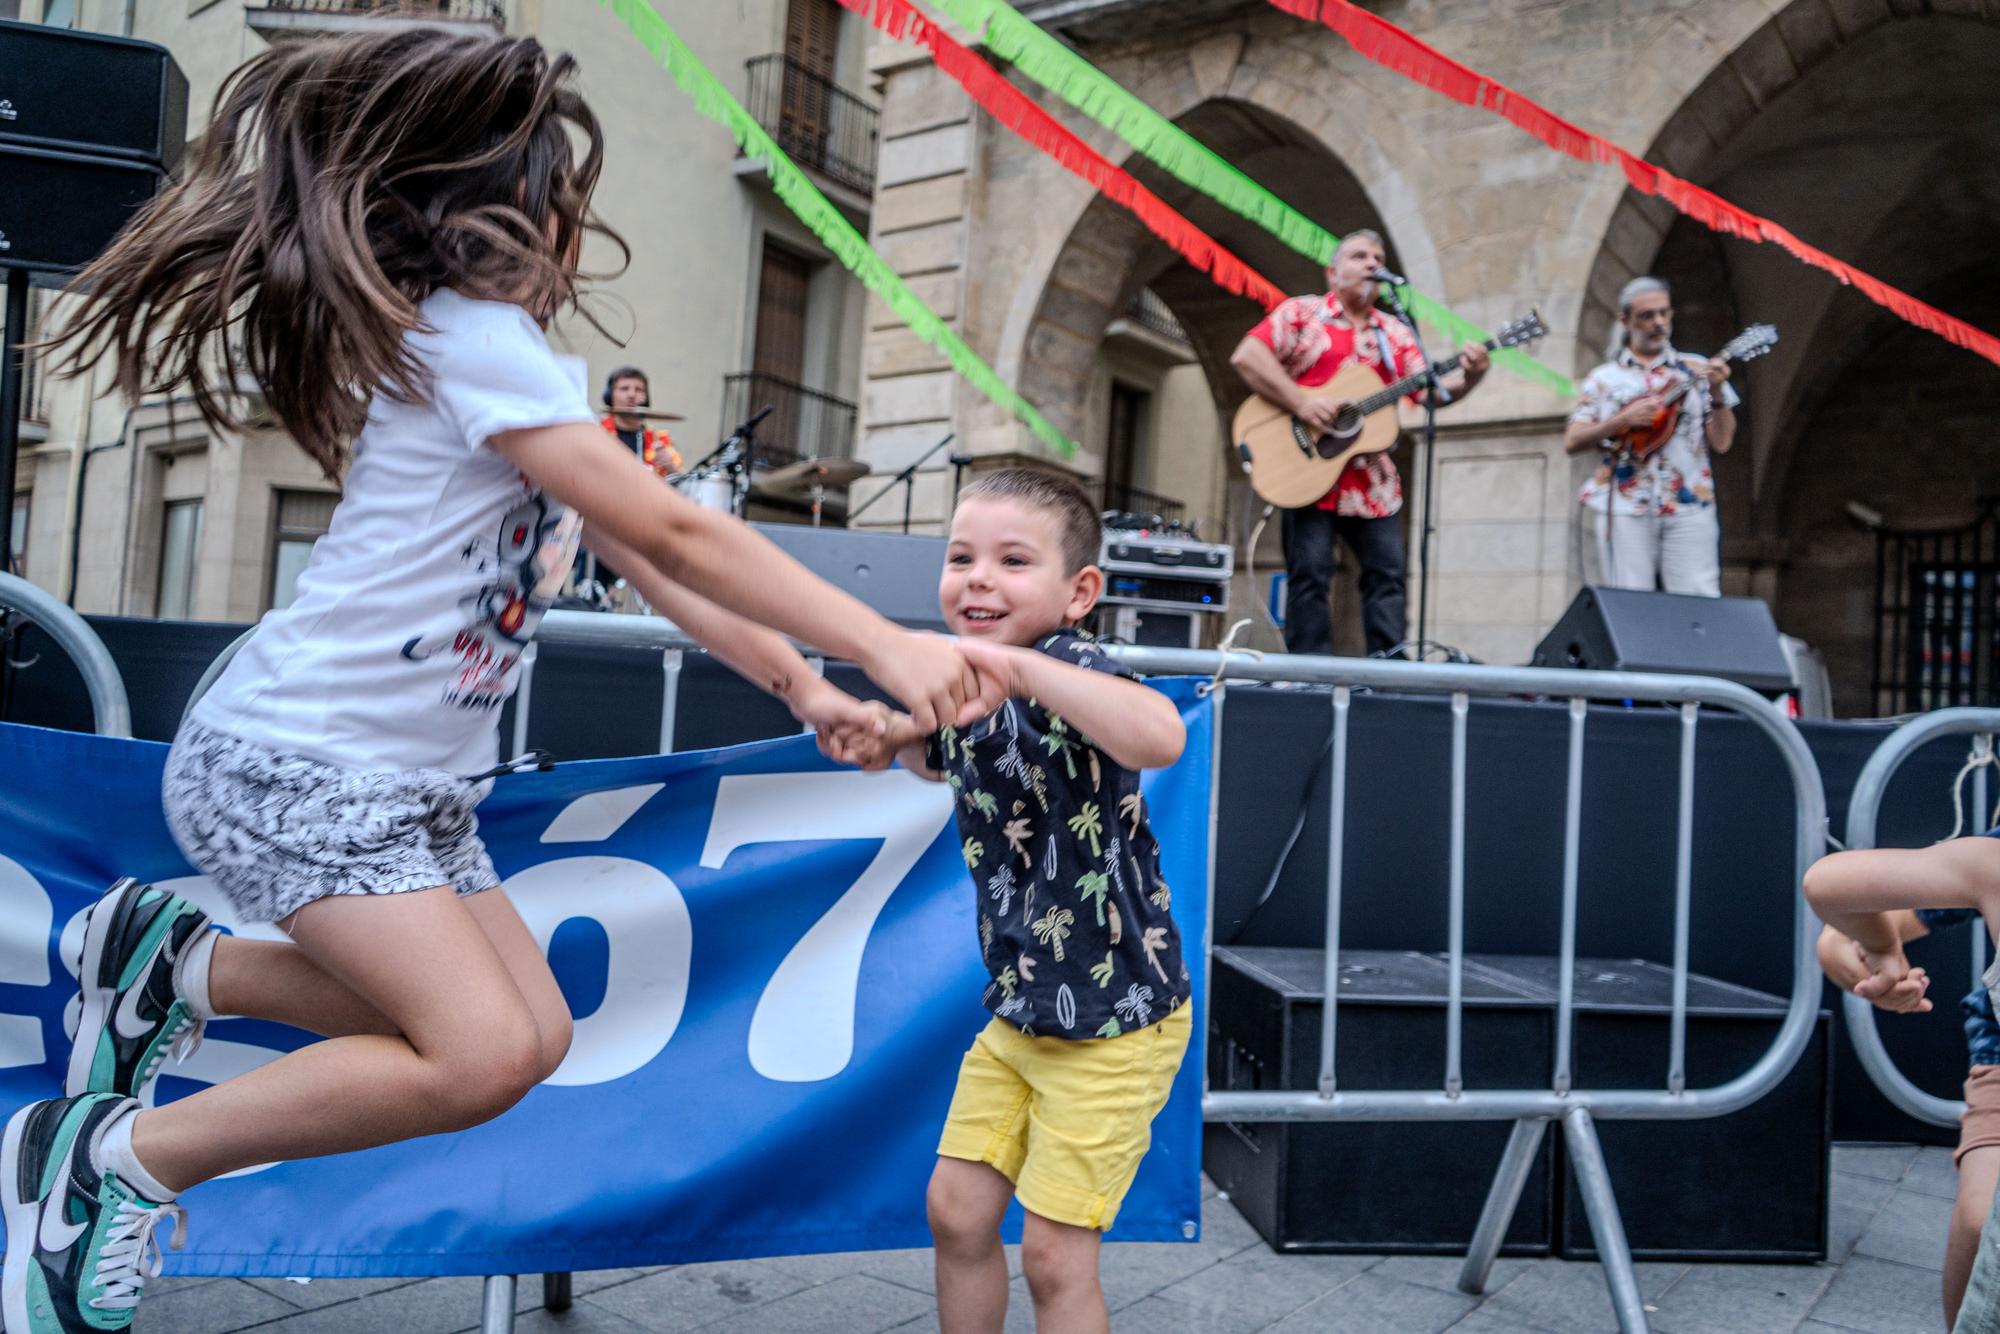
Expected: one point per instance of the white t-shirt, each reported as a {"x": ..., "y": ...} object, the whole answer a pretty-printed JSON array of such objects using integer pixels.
[{"x": 405, "y": 636}]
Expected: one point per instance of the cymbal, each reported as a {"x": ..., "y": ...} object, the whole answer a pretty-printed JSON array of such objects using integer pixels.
[
  {"x": 648, "y": 414},
  {"x": 799, "y": 479}
]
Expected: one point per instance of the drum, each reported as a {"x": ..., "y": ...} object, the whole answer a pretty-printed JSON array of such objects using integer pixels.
[{"x": 710, "y": 490}]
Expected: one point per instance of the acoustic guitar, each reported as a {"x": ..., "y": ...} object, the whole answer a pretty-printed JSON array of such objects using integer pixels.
[
  {"x": 1642, "y": 442},
  {"x": 1291, "y": 468}
]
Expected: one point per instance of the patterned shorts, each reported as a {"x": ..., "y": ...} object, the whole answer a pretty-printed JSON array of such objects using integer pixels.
[{"x": 276, "y": 831}]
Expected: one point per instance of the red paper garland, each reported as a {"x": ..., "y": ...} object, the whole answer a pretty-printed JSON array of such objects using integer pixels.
[
  {"x": 1383, "y": 42},
  {"x": 1023, "y": 115}
]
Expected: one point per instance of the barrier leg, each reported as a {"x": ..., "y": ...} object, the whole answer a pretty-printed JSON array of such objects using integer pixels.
[
  {"x": 497, "y": 1314},
  {"x": 1501, "y": 1202},
  {"x": 556, "y": 1294},
  {"x": 1607, "y": 1229}
]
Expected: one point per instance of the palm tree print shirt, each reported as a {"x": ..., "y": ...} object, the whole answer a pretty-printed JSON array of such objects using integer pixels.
[{"x": 1075, "y": 922}]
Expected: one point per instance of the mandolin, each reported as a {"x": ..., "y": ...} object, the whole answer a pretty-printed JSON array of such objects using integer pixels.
[
  {"x": 1642, "y": 442},
  {"x": 1291, "y": 469}
]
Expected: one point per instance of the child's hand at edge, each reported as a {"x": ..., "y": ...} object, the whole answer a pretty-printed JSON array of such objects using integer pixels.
[{"x": 1890, "y": 983}]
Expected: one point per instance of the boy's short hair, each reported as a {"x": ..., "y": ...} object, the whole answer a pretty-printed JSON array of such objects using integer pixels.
[{"x": 1077, "y": 521}]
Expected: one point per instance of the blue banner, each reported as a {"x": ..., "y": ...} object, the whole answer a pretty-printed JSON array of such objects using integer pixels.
[{"x": 774, "y": 972}]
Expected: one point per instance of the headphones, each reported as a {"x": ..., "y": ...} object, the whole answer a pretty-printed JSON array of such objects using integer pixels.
[{"x": 628, "y": 373}]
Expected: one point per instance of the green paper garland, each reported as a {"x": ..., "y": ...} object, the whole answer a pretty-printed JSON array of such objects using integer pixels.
[
  {"x": 1076, "y": 81},
  {"x": 813, "y": 209}
]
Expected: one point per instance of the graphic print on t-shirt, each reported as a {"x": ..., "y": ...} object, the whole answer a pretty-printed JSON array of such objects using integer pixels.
[{"x": 523, "y": 568}]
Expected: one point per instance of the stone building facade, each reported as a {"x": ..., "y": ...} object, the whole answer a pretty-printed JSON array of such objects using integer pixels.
[
  {"x": 728, "y": 301},
  {"x": 1865, "y": 126}
]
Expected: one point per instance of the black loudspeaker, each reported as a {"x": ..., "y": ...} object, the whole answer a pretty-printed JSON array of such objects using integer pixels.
[
  {"x": 84, "y": 92},
  {"x": 59, "y": 210},
  {"x": 1749, "y": 1186},
  {"x": 1624, "y": 629},
  {"x": 88, "y": 126},
  {"x": 895, "y": 573},
  {"x": 1409, "y": 1187}
]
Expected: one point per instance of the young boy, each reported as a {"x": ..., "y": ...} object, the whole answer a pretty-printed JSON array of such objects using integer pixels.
[
  {"x": 1056, "y": 1098},
  {"x": 1869, "y": 900}
]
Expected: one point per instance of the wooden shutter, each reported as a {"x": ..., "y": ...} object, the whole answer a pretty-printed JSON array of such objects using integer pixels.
[{"x": 812, "y": 50}]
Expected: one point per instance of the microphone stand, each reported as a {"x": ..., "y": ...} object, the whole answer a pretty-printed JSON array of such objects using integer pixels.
[
  {"x": 1424, "y": 526},
  {"x": 907, "y": 479}
]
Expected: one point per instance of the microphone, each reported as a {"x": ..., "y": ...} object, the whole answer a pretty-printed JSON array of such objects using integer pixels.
[
  {"x": 751, "y": 425},
  {"x": 1382, "y": 275}
]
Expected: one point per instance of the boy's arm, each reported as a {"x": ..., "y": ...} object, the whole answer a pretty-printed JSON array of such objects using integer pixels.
[
  {"x": 1137, "y": 726},
  {"x": 762, "y": 656}
]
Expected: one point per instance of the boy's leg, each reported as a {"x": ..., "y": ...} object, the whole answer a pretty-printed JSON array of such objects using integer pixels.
[
  {"x": 965, "y": 1203},
  {"x": 1978, "y": 1170},
  {"x": 1060, "y": 1261}
]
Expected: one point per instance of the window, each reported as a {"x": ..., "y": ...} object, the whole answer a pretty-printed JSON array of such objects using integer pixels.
[
  {"x": 59, "y": 13},
  {"x": 180, "y": 540},
  {"x": 302, "y": 519},
  {"x": 10, "y": 9},
  {"x": 17, "y": 534}
]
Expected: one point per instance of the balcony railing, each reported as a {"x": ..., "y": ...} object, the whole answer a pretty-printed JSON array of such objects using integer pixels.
[
  {"x": 467, "y": 11},
  {"x": 1149, "y": 312},
  {"x": 817, "y": 122},
  {"x": 1139, "y": 501},
  {"x": 804, "y": 423}
]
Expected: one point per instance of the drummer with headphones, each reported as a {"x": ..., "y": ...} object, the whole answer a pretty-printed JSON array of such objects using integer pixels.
[{"x": 627, "y": 387}]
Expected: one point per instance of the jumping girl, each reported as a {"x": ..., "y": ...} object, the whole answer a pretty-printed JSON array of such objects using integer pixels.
[{"x": 377, "y": 231}]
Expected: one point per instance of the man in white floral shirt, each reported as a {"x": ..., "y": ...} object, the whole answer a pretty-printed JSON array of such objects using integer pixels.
[
  {"x": 1656, "y": 522},
  {"x": 1305, "y": 342}
]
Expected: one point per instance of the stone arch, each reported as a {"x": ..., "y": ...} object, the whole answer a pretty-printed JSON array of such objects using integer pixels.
[
  {"x": 1866, "y": 129},
  {"x": 1108, "y": 257}
]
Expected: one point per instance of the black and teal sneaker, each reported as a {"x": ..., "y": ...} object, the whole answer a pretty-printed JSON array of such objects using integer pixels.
[
  {"x": 80, "y": 1242},
  {"x": 133, "y": 1013}
]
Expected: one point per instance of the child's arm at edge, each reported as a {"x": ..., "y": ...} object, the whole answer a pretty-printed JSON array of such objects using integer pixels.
[
  {"x": 1137, "y": 726},
  {"x": 1842, "y": 960},
  {"x": 1856, "y": 893}
]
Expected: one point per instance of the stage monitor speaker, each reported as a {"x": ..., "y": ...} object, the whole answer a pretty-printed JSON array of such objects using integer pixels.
[
  {"x": 84, "y": 92},
  {"x": 895, "y": 573},
  {"x": 1626, "y": 630},
  {"x": 1748, "y": 1186},
  {"x": 59, "y": 210},
  {"x": 1410, "y": 1186}
]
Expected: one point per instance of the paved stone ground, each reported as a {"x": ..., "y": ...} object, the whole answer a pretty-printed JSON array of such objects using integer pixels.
[{"x": 1891, "y": 1205}]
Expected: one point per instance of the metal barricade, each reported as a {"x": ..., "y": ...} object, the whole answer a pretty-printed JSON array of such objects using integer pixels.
[
  {"x": 1862, "y": 812},
  {"x": 1531, "y": 1109},
  {"x": 111, "y": 710}
]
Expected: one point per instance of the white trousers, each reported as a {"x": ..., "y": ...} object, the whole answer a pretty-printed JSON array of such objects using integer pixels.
[{"x": 1681, "y": 552}]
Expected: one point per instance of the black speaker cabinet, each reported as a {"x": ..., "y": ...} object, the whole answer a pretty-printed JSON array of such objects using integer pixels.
[
  {"x": 1623, "y": 629},
  {"x": 59, "y": 210},
  {"x": 1409, "y": 1187},
  {"x": 84, "y": 92},
  {"x": 1749, "y": 1186}
]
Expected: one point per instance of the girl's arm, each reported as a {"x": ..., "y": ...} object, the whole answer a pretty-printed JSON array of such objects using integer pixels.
[
  {"x": 762, "y": 656},
  {"x": 725, "y": 561},
  {"x": 1137, "y": 726}
]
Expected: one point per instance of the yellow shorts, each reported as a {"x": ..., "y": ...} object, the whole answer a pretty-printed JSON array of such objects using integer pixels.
[{"x": 1066, "y": 1122}]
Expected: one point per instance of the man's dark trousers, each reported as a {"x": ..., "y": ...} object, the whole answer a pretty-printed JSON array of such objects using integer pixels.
[{"x": 1309, "y": 565}]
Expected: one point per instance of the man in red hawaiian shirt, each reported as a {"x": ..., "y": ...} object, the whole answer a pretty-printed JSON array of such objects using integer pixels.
[{"x": 1305, "y": 342}]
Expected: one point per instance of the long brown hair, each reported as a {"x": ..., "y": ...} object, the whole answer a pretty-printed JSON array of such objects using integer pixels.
[{"x": 340, "y": 182}]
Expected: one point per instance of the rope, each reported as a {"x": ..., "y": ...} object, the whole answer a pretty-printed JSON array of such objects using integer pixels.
[
  {"x": 1982, "y": 757},
  {"x": 1223, "y": 650}
]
